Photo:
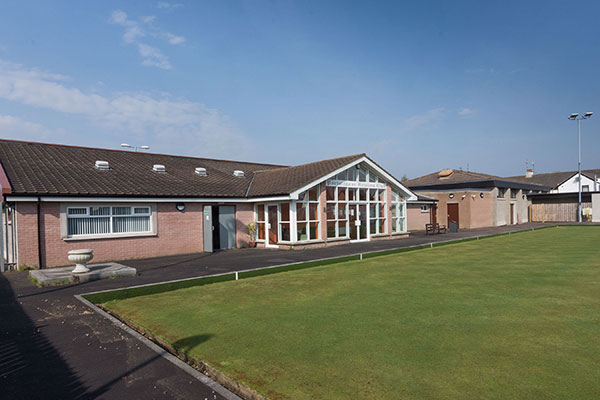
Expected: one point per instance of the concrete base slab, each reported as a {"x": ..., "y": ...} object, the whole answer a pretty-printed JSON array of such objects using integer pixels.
[{"x": 64, "y": 275}]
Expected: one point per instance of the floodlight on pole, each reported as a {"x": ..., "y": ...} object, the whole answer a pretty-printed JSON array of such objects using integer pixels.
[
  {"x": 573, "y": 117},
  {"x": 135, "y": 148}
]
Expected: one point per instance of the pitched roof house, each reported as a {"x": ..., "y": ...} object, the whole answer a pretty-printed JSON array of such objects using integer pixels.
[
  {"x": 563, "y": 182},
  {"x": 125, "y": 204}
]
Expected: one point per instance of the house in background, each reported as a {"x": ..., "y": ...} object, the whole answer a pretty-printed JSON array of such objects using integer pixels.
[
  {"x": 123, "y": 204},
  {"x": 476, "y": 200},
  {"x": 560, "y": 204}
]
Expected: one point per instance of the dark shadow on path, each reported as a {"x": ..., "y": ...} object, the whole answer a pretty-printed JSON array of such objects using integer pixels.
[{"x": 30, "y": 366}]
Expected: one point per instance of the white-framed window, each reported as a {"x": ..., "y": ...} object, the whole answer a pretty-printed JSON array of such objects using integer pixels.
[
  {"x": 398, "y": 212},
  {"x": 107, "y": 220},
  {"x": 308, "y": 216},
  {"x": 425, "y": 208},
  {"x": 337, "y": 212}
]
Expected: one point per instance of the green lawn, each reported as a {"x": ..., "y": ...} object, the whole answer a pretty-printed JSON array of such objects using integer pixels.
[{"x": 512, "y": 317}]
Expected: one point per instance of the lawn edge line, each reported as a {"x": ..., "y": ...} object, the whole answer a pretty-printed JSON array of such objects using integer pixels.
[
  {"x": 336, "y": 259},
  {"x": 213, "y": 384}
]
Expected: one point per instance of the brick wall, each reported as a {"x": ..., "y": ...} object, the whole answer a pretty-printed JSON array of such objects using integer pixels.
[
  {"x": 417, "y": 219},
  {"x": 177, "y": 233},
  {"x": 244, "y": 214}
]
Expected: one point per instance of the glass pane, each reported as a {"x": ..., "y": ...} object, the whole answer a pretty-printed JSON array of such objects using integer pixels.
[
  {"x": 131, "y": 224},
  {"x": 372, "y": 194},
  {"x": 382, "y": 225},
  {"x": 302, "y": 232},
  {"x": 373, "y": 226},
  {"x": 401, "y": 209},
  {"x": 394, "y": 226},
  {"x": 342, "y": 211},
  {"x": 342, "y": 229},
  {"x": 363, "y": 194},
  {"x": 314, "y": 230},
  {"x": 103, "y": 210},
  {"x": 372, "y": 177},
  {"x": 341, "y": 194},
  {"x": 88, "y": 226},
  {"x": 302, "y": 196},
  {"x": 362, "y": 175},
  {"x": 301, "y": 211},
  {"x": 261, "y": 230},
  {"x": 401, "y": 225},
  {"x": 313, "y": 194},
  {"x": 285, "y": 211},
  {"x": 120, "y": 210},
  {"x": 394, "y": 210},
  {"x": 351, "y": 194},
  {"x": 373, "y": 210},
  {"x": 341, "y": 176},
  {"x": 382, "y": 195},
  {"x": 330, "y": 193},
  {"x": 331, "y": 229},
  {"x": 395, "y": 196},
  {"x": 285, "y": 231},
  {"x": 330, "y": 210},
  {"x": 381, "y": 210},
  {"x": 141, "y": 210},
  {"x": 351, "y": 174},
  {"x": 260, "y": 213},
  {"x": 314, "y": 211},
  {"x": 77, "y": 211}
]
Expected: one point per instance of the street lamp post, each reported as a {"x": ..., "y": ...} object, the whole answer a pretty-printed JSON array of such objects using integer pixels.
[
  {"x": 135, "y": 147},
  {"x": 576, "y": 117}
]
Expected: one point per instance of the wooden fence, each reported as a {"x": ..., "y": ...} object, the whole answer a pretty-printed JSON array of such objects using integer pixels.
[{"x": 556, "y": 212}]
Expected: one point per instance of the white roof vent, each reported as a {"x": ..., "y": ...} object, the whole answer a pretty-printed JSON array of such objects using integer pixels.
[
  {"x": 238, "y": 174},
  {"x": 102, "y": 165},
  {"x": 201, "y": 171},
  {"x": 159, "y": 168}
]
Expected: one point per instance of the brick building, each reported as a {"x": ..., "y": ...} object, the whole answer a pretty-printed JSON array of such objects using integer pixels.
[
  {"x": 124, "y": 204},
  {"x": 476, "y": 200}
]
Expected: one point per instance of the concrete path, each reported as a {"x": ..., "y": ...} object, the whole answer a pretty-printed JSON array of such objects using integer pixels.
[{"x": 52, "y": 346}]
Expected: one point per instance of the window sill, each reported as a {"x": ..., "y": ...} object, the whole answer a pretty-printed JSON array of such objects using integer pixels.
[
  {"x": 112, "y": 236},
  {"x": 301, "y": 242},
  {"x": 338, "y": 239}
]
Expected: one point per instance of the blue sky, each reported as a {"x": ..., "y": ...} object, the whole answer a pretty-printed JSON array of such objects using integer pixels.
[{"x": 418, "y": 86}]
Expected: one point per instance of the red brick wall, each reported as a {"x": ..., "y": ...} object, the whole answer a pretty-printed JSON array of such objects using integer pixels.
[
  {"x": 244, "y": 214},
  {"x": 177, "y": 233}
]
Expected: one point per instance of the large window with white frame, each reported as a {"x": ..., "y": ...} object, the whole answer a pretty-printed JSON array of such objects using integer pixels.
[
  {"x": 100, "y": 220},
  {"x": 307, "y": 215},
  {"x": 337, "y": 212},
  {"x": 398, "y": 211},
  {"x": 339, "y": 197}
]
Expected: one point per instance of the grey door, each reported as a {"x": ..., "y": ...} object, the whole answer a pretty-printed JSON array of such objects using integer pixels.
[
  {"x": 207, "y": 231},
  {"x": 226, "y": 227}
]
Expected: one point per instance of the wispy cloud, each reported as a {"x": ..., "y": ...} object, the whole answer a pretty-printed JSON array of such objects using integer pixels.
[
  {"x": 178, "y": 124},
  {"x": 153, "y": 57},
  {"x": 466, "y": 112},
  {"x": 418, "y": 121},
  {"x": 136, "y": 30},
  {"x": 17, "y": 128},
  {"x": 167, "y": 5}
]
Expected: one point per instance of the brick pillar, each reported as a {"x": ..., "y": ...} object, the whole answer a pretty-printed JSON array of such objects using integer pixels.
[
  {"x": 27, "y": 235},
  {"x": 322, "y": 213}
]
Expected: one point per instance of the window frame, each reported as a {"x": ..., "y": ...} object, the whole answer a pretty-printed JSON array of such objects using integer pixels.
[{"x": 66, "y": 207}]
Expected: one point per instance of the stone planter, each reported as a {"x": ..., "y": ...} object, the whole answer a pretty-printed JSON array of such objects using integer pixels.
[{"x": 81, "y": 258}]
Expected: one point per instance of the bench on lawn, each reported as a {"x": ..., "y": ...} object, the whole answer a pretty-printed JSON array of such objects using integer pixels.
[{"x": 434, "y": 228}]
